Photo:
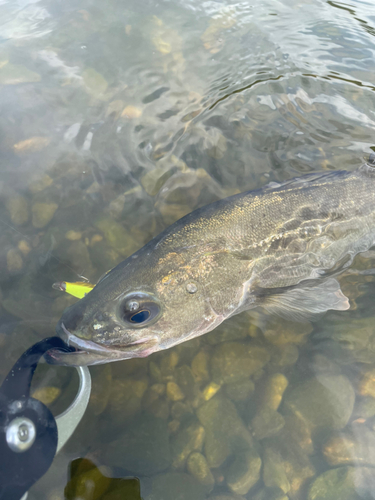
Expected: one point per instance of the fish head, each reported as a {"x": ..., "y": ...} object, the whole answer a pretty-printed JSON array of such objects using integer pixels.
[{"x": 149, "y": 302}]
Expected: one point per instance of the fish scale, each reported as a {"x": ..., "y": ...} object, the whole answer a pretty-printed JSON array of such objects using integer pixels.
[{"x": 279, "y": 248}]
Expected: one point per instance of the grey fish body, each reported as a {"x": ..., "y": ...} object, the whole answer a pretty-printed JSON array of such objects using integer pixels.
[{"x": 278, "y": 247}]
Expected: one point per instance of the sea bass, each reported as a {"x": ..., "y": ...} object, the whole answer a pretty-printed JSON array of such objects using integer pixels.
[{"x": 279, "y": 247}]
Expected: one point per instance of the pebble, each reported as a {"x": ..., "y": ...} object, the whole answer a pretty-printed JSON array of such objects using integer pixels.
[
  {"x": 117, "y": 236},
  {"x": 17, "y": 207},
  {"x": 266, "y": 423},
  {"x": 101, "y": 388},
  {"x": 125, "y": 398},
  {"x": 273, "y": 391},
  {"x": 364, "y": 407},
  {"x": 344, "y": 483},
  {"x": 14, "y": 260},
  {"x": 273, "y": 471},
  {"x": 94, "y": 81},
  {"x": 224, "y": 429},
  {"x": 269, "y": 494},
  {"x": 24, "y": 247},
  {"x": 155, "y": 371},
  {"x": 160, "y": 409},
  {"x": 244, "y": 472},
  {"x": 325, "y": 402},
  {"x": 239, "y": 391},
  {"x": 43, "y": 213},
  {"x": 114, "y": 108},
  {"x": 39, "y": 185},
  {"x": 198, "y": 468},
  {"x": 173, "y": 426},
  {"x": 210, "y": 390},
  {"x": 186, "y": 381},
  {"x": 199, "y": 366},
  {"x": 131, "y": 112},
  {"x": 13, "y": 74},
  {"x": 97, "y": 238},
  {"x": 351, "y": 448},
  {"x": 87, "y": 484},
  {"x": 169, "y": 362},
  {"x": 73, "y": 235},
  {"x": 32, "y": 145},
  {"x": 142, "y": 449},
  {"x": 366, "y": 386},
  {"x": 189, "y": 439},
  {"x": 235, "y": 361},
  {"x": 47, "y": 395},
  {"x": 177, "y": 486},
  {"x": 281, "y": 332},
  {"x": 174, "y": 392},
  {"x": 153, "y": 180},
  {"x": 180, "y": 409},
  {"x": 285, "y": 355}
]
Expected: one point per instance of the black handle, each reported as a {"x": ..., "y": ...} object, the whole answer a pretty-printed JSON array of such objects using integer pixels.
[{"x": 19, "y": 470}]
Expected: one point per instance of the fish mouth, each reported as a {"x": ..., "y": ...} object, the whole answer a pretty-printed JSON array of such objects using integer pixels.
[{"x": 87, "y": 352}]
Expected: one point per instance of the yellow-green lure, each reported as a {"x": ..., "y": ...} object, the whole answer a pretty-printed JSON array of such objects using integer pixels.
[{"x": 78, "y": 289}]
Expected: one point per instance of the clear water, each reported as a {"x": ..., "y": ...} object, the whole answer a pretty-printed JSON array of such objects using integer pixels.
[{"x": 117, "y": 118}]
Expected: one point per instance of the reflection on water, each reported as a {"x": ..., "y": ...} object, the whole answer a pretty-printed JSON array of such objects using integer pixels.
[{"x": 119, "y": 118}]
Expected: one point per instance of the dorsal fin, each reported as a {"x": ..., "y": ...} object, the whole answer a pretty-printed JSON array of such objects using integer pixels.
[{"x": 305, "y": 180}]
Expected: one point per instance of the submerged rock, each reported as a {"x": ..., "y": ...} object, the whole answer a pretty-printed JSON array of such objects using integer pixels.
[
  {"x": 14, "y": 260},
  {"x": 344, "y": 483},
  {"x": 187, "y": 440},
  {"x": 235, "y": 361},
  {"x": 13, "y": 74},
  {"x": 325, "y": 402},
  {"x": 199, "y": 366},
  {"x": 281, "y": 332},
  {"x": 285, "y": 355},
  {"x": 17, "y": 207},
  {"x": 31, "y": 145},
  {"x": 101, "y": 388},
  {"x": 117, "y": 236},
  {"x": 125, "y": 398},
  {"x": 176, "y": 486},
  {"x": 143, "y": 449},
  {"x": 96, "y": 84},
  {"x": 267, "y": 423},
  {"x": 244, "y": 472},
  {"x": 296, "y": 464},
  {"x": 364, "y": 407},
  {"x": 47, "y": 395},
  {"x": 269, "y": 493},
  {"x": 210, "y": 390},
  {"x": 239, "y": 391},
  {"x": 43, "y": 213},
  {"x": 198, "y": 467},
  {"x": 174, "y": 392},
  {"x": 356, "y": 447},
  {"x": 273, "y": 391},
  {"x": 225, "y": 430},
  {"x": 274, "y": 472},
  {"x": 227, "y": 496},
  {"x": 366, "y": 385}
]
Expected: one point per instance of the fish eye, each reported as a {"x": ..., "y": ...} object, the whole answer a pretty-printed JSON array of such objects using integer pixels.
[{"x": 139, "y": 309}]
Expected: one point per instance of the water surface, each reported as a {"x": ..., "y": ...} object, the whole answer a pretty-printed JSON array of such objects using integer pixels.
[{"x": 116, "y": 119}]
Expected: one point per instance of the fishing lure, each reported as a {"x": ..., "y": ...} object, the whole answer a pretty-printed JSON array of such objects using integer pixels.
[{"x": 78, "y": 289}]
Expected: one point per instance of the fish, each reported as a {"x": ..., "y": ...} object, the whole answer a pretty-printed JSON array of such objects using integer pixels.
[{"x": 279, "y": 248}]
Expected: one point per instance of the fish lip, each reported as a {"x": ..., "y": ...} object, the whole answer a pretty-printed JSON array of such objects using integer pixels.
[
  {"x": 80, "y": 344},
  {"x": 90, "y": 347}
]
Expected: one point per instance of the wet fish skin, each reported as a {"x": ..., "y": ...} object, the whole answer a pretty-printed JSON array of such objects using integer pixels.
[{"x": 278, "y": 247}]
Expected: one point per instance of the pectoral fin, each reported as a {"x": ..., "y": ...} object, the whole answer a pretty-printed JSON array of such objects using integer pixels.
[{"x": 304, "y": 302}]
